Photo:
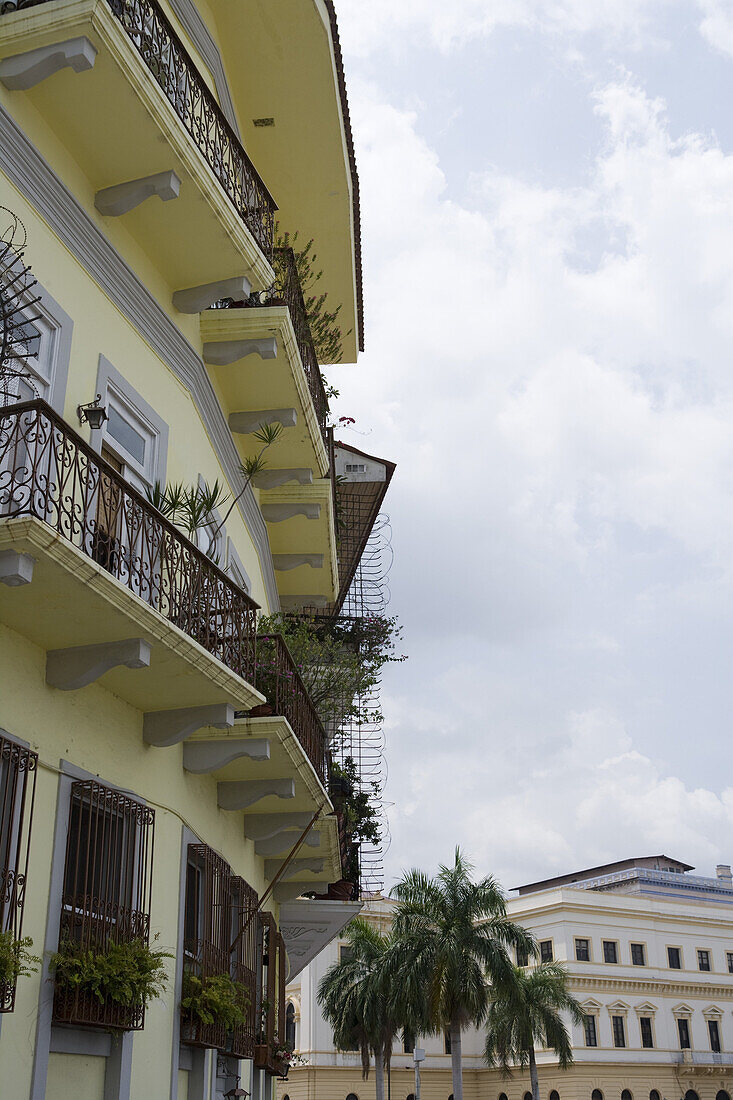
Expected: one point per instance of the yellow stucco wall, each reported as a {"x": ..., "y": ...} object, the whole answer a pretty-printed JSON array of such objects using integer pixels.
[{"x": 75, "y": 1077}]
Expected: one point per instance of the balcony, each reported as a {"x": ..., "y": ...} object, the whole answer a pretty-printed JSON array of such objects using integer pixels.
[
  {"x": 107, "y": 564},
  {"x": 279, "y": 681},
  {"x": 704, "y": 1060},
  {"x": 136, "y": 107}
]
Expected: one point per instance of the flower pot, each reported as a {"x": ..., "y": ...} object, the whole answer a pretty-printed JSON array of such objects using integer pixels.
[{"x": 262, "y": 710}]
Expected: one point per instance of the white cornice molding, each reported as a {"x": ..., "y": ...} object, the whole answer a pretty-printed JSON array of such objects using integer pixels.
[
  {"x": 31, "y": 174},
  {"x": 651, "y": 985},
  {"x": 196, "y": 29}
]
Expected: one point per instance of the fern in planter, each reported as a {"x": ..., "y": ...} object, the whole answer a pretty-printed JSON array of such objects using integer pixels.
[
  {"x": 217, "y": 1001},
  {"x": 129, "y": 974},
  {"x": 15, "y": 958}
]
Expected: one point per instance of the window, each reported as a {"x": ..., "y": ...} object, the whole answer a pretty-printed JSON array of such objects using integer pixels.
[
  {"x": 714, "y": 1033},
  {"x": 352, "y": 1096},
  {"x": 446, "y": 1042},
  {"x": 528, "y": 1096},
  {"x": 134, "y": 431},
  {"x": 591, "y": 1035},
  {"x": 43, "y": 365},
  {"x": 683, "y": 1030},
  {"x": 582, "y": 950},
  {"x": 674, "y": 958},
  {"x": 346, "y": 952},
  {"x": 245, "y": 963},
  {"x": 654, "y": 1095},
  {"x": 355, "y": 468},
  {"x": 107, "y": 886},
  {"x": 546, "y": 951},
  {"x": 596, "y": 1095},
  {"x": 638, "y": 955},
  {"x": 502, "y": 1096},
  {"x": 522, "y": 957},
  {"x": 729, "y": 960},
  {"x": 647, "y": 1035},
  {"x": 554, "y": 1095},
  {"x": 619, "y": 1031},
  {"x": 703, "y": 960},
  {"x": 17, "y": 788},
  {"x": 722, "y": 1095},
  {"x": 290, "y": 1025},
  {"x": 610, "y": 951},
  {"x": 626, "y": 1094},
  {"x": 408, "y": 1042},
  {"x": 691, "y": 1095}
]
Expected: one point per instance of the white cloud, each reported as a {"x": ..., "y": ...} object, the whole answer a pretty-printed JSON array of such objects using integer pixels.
[
  {"x": 551, "y": 369},
  {"x": 717, "y": 24}
]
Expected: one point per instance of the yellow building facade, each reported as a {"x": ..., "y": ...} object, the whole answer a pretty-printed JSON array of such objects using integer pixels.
[
  {"x": 153, "y": 155},
  {"x": 649, "y": 950}
]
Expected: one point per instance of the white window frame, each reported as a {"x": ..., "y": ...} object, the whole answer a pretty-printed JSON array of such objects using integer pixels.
[{"x": 117, "y": 392}]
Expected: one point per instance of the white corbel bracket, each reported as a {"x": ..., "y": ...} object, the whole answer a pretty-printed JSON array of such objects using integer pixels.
[
  {"x": 295, "y": 867},
  {"x": 221, "y": 353},
  {"x": 69, "y": 669},
  {"x": 167, "y": 727},
  {"x": 202, "y": 757},
  {"x": 123, "y": 197},
  {"x": 263, "y": 826},
  {"x": 273, "y": 479},
  {"x": 196, "y": 299},
  {"x": 244, "y": 423},
  {"x": 25, "y": 70},
  {"x": 16, "y": 568},
  {"x": 283, "y": 562},
  {"x": 276, "y": 513},
  {"x": 283, "y": 842},
  {"x": 239, "y": 794}
]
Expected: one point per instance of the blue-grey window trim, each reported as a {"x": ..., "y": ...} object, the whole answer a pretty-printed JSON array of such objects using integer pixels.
[
  {"x": 118, "y": 1072},
  {"x": 106, "y": 373},
  {"x": 40, "y": 185}
]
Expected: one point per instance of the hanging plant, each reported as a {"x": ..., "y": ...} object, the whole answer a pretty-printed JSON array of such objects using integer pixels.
[
  {"x": 16, "y": 960},
  {"x": 128, "y": 974},
  {"x": 214, "y": 1001}
]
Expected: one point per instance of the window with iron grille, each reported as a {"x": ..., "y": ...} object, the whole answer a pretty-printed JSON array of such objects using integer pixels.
[
  {"x": 108, "y": 874},
  {"x": 245, "y": 961},
  {"x": 207, "y": 928},
  {"x": 17, "y": 791}
]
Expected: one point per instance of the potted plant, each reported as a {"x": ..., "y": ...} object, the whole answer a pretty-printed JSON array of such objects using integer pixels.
[
  {"x": 108, "y": 986},
  {"x": 212, "y": 1006},
  {"x": 15, "y": 961}
]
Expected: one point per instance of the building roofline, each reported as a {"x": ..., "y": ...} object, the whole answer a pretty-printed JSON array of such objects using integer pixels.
[{"x": 592, "y": 872}]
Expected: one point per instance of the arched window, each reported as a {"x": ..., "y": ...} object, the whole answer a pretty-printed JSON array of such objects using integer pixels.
[
  {"x": 626, "y": 1095},
  {"x": 596, "y": 1095},
  {"x": 352, "y": 1096},
  {"x": 411, "y": 1096},
  {"x": 654, "y": 1095},
  {"x": 554, "y": 1095},
  {"x": 691, "y": 1095},
  {"x": 722, "y": 1095},
  {"x": 528, "y": 1096},
  {"x": 290, "y": 1025},
  {"x": 502, "y": 1096}
]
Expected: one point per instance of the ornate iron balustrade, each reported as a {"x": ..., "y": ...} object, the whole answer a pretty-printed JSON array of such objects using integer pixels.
[
  {"x": 48, "y": 471},
  {"x": 278, "y": 679},
  {"x": 108, "y": 880},
  {"x": 183, "y": 86},
  {"x": 245, "y": 963},
  {"x": 17, "y": 794},
  {"x": 287, "y": 291},
  {"x": 207, "y": 933}
]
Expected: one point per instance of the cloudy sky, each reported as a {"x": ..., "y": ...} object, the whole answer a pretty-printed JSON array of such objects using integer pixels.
[{"x": 547, "y": 198}]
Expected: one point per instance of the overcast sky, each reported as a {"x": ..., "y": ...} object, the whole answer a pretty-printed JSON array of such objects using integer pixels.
[{"x": 547, "y": 212}]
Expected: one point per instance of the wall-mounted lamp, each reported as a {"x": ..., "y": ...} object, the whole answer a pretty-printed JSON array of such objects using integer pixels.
[
  {"x": 236, "y": 1092},
  {"x": 92, "y": 413}
]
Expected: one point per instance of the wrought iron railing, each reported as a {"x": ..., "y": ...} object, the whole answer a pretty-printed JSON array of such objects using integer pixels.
[
  {"x": 278, "y": 679},
  {"x": 48, "y": 471},
  {"x": 245, "y": 963},
  {"x": 287, "y": 291},
  {"x": 17, "y": 792},
  {"x": 206, "y": 954},
  {"x": 108, "y": 878},
  {"x": 185, "y": 89}
]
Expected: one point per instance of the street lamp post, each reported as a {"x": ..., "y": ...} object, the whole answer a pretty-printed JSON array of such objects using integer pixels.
[{"x": 418, "y": 1056}]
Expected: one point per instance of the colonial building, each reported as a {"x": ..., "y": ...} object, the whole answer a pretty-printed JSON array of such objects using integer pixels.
[
  {"x": 649, "y": 948},
  {"x": 167, "y": 475}
]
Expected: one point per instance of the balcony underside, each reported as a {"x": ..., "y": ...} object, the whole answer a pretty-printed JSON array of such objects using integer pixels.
[
  {"x": 291, "y": 77},
  {"x": 117, "y": 125},
  {"x": 287, "y": 760},
  {"x": 252, "y": 384},
  {"x": 305, "y": 536},
  {"x": 71, "y": 601}
]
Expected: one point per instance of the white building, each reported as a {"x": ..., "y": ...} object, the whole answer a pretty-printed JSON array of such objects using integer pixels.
[{"x": 650, "y": 951}]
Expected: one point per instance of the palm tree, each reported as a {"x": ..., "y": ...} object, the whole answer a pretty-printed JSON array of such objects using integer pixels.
[
  {"x": 525, "y": 1013},
  {"x": 361, "y": 1002},
  {"x": 452, "y": 935}
]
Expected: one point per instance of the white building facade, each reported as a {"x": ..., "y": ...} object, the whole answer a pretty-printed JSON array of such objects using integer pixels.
[{"x": 649, "y": 949}]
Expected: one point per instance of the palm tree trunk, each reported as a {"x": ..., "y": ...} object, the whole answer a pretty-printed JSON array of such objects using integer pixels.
[
  {"x": 379, "y": 1074},
  {"x": 456, "y": 1060},
  {"x": 534, "y": 1079}
]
